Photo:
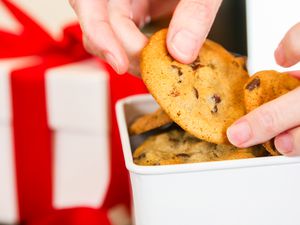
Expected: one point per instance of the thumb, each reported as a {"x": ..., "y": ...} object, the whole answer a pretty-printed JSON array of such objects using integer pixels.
[{"x": 189, "y": 28}]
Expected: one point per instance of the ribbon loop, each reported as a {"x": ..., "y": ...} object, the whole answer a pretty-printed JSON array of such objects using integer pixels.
[{"x": 33, "y": 39}]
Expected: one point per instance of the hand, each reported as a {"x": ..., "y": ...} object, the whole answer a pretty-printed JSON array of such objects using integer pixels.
[
  {"x": 111, "y": 28},
  {"x": 279, "y": 118}
]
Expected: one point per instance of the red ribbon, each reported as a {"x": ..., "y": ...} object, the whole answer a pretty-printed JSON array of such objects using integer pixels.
[
  {"x": 32, "y": 40},
  {"x": 32, "y": 136}
]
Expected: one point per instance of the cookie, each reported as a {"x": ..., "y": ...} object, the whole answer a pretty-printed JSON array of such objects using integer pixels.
[
  {"x": 177, "y": 147},
  {"x": 149, "y": 122},
  {"x": 270, "y": 147},
  {"x": 265, "y": 86},
  {"x": 204, "y": 97}
]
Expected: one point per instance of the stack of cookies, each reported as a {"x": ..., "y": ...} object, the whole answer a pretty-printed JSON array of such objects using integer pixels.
[{"x": 203, "y": 99}]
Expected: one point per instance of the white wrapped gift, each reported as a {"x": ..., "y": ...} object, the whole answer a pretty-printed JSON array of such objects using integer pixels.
[
  {"x": 77, "y": 104},
  {"x": 77, "y": 110}
]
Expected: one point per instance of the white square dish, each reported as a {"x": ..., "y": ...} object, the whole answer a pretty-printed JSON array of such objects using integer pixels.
[{"x": 257, "y": 191}]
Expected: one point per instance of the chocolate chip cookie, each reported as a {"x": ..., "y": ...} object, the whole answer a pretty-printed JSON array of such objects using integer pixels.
[
  {"x": 204, "y": 97},
  {"x": 265, "y": 86},
  {"x": 177, "y": 147},
  {"x": 149, "y": 122}
]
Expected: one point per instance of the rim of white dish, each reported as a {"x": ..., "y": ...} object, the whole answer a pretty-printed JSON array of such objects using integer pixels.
[{"x": 185, "y": 168}]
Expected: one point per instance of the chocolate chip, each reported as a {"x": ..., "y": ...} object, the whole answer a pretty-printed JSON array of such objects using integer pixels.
[
  {"x": 196, "y": 64},
  {"x": 217, "y": 99},
  {"x": 172, "y": 139},
  {"x": 183, "y": 155},
  {"x": 196, "y": 93},
  {"x": 141, "y": 156},
  {"x": 255, "y": 83},
  {"x": 171, "y": 58},
  {"x": 215, "y": 109},
  {"x": 212, "y": 66},
  {"x": 178, "y": 69},
  {"x": 215, "y": 155},
  {"x": 178, "y": 113}
]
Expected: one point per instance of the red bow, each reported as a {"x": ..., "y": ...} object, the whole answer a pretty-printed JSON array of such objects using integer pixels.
[{"x": 17, "y": 45}]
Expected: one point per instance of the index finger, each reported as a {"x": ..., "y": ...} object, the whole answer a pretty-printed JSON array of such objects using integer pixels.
[
  {"x": 94, "y": 20},
  {"x": 189, "y": 28}
]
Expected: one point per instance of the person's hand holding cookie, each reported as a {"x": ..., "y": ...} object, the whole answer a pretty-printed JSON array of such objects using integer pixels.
[
  {"x": 111, "y": 28},
  {"x": 279, "y": 118}
]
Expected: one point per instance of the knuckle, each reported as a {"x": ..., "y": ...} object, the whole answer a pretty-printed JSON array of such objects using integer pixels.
[
  {"x": 93, "y": 28},
  {"x": 90, "y": 47},
  {"x": 296, "y": 136},
  {"x": 86, "y": 44},
  {"x": 200, "y": 10},
  {"x": 268, "y": 120}
]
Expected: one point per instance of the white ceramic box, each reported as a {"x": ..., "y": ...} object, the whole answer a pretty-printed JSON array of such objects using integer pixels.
[{"x": 260, "y": 191}]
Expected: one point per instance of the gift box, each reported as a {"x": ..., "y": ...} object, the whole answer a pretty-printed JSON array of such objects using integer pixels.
[
  {"x": 60, "y": 151},
  {"x": 86, "y": 168},
  {"x": 77, "y": 110},
  {"x": 8, "y": 203},
  {"x": 267, "y": 23}
]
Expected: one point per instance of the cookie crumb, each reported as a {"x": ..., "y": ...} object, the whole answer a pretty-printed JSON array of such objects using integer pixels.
[
  {"x": 174, "y": 93},
  {"x": 235, "y": 63},
  {"x": 255, "y": 83}
]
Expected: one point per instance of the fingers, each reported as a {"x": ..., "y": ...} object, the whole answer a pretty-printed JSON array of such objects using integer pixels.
[
  {"x": 288, "y": 51},
  {"x": 189, "y": 28},
  {"x": 128, "y": 33},
  {"x": 267, "y": 121},
  {"x": 140, "y": 11},
  {"x": 288, "y": 143},
  {"x": 159, "y": 8},
  {"x": 99, "y": 36},
  {"x": 295, "y": 73}
]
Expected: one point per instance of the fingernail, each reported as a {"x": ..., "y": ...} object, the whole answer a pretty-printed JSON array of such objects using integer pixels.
[
  {"x": 145, "y": 21},
  {"x": 239, "y": 133},
  {"x": 110, "y": 59},
  {"x": 284, "y": 143},
  {"x": 279, "y": 55},
  {"x": 184, "y": 44},
  {"x": 148, "y": 19}
]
